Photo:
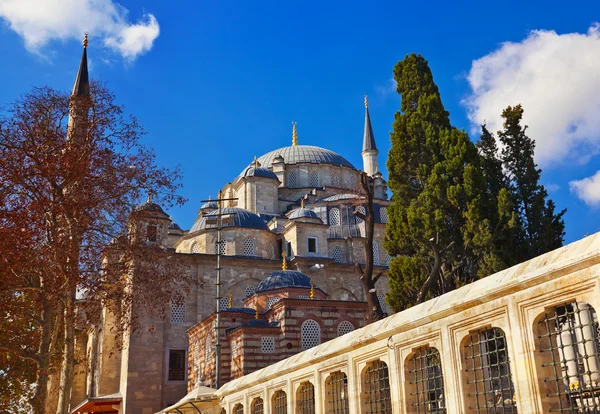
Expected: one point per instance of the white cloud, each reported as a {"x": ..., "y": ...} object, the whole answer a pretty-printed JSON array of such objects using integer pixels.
[
  {"x": 39, "y": 22},
  {"x": 557, "y": 80},
  {"x": 551, "y": 187},
  {"x": 588, "y": 189},
  {"x": 388, "y": 88}
]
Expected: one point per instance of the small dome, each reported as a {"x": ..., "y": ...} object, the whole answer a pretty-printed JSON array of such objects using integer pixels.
[
  {"x": 259, "y": 172},
  {"x": 150, "y": 206},
  {"x": 209, "y": 205},
  {"x": 282, "y": 279},
  {"x": 302, "y": 213},
  {"x": 342, "y": 197},
  {"x": 239, "y": 218},
  {"x": 174, "y": 226}
]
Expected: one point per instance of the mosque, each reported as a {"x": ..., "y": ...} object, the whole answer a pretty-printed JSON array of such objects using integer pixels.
[{"x": 289, "y": 245}]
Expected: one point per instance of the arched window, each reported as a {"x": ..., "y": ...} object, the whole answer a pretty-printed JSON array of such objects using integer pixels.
[
  {"x": 279, "y": 402},
  {"x": 336, "y": 255},
  {"x": 306, "y": 398},
  {"x": 208, "y": 349},
  {"x": 221, "y": 247},
  {"x": 314, "y": 179},
  {"x": 383, "y": 215},
  {"x": 177, "y": 309},
  {"x": 376, "y": 260},
  {"x": 334, "y": 217},
  {"x": 375, "y": 380},
  {"x": 335, "y": 180},
  {"x": 238, "y": 409},
  {"x": 197, "y": 360},
  {"x": 336, "y": 387},
  {"x": 249, "y": 246},
  {"x": 425, "y": 382},
  {"x": 272, "y": 301},
  {"x": 196, "y": 248},
  {"x": 292, "y": 179},
  {"x": 360, "y": 209},
  {"x": 352, "y": 181},
  {"x": 382, "y": 303},
  {"x": 257, "y": 406},
  {"x": 488, "y": 380},
  {"x": 250, "y": 290},
  {"x": 345, "y": 327},
  {"x": 568, "y": 358},
  {"x": 310, "y": 333}
]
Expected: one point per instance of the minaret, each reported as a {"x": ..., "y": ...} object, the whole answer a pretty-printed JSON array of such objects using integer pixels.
[
  {"x": 80, "y": 98},
  {"x": 369, "y": 152}
]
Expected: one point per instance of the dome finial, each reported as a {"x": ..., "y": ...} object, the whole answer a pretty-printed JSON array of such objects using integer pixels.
[
  {"x": 284, "y": 262},
  {"x": 312, "y": 289},
  {"x": 85, "y": 39},
  {"x": 255, "y": 309},
  {"x": 149, "y": 199},
  {"x": 366, "y": 101},
  {"x": 256, "y": 163},
  {"x": 294, "y": 135},
  {"x": 230, "y": 295},
  {"x": 302, "y": 203}
]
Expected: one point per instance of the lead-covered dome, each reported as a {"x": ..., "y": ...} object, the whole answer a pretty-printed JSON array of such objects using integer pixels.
[
  {"x": 259, "y": 172},
  {"x": 302, "y": 213},
  {"x": 283, "y": 279},
  {"x": 239, "y": 218}
]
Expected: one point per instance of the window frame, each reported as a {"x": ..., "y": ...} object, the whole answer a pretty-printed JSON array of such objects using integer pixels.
[
  {"x": 183, "y": 370},
  {"x": 316, "y": 240}
]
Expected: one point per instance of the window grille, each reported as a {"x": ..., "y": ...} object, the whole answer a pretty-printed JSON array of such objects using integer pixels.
[
  {"x": 334, "y": 217},
  {"x": 207, "y": 349},
  {"x": 336, "y": 255},
  {"x": 292, "y": 179},
  {"x": 197, "y": 357},
  {"x": 223, "y": 304},
  {"x": 336, "y": 387},
  {"x": 221, "y": 247},
  {"x": 352, "y": 181},
  {"x": 335, "y": 180},
  {"x": 383, "y": 216},
  {"x": 488, "y": 372},
  {"x": 177, "y": 365},
  {"x": 344, "y": 327},
  {"x": 249, "y": 247},
  {"x": 235, "y": 349},
  {"x": 250, "y": 290},
  {"x": 314, "y": 179},
  {"x": 360, "y": 209},
  {"x": 271, "y": 251},
  {"x": 178, "y": 309},
  {"x": 376, "y": 388},
  {"x": 238, "y": 409},
  {"x": 303, "y": 297},
  {"x": 272, "y": 301},
  {"x": 257, "y": 406},
  {"x": 196, "y": 248},
  {"x": 382, "y": 303},
  {"x": 279, "y": 402},
  {"x": 306, "y": 400},
  {"x": 151, "y": 233},
  {"x": 310, "y": 333},
  {"x": 569, "y": 333},
  {"x": 388, "y": 258},
  {"x": 267, "y": 344},
  {"x": 427, "y": 382},
  {"x": 376, "y": 261}
]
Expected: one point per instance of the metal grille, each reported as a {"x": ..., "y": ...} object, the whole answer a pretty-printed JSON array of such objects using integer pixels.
[
  {"x": 257, "y": 406},
  {"x": 425, "y": 376},
  {"x": 272, "y": 301},
  {"x": 279, "y": 402},
  {"x": 271, "y": 251},
  {"x": 382, "y": 302},
  {"x": 221, "y": 247},
  {"x": 352, "y": 181},
  {"x": 314, "y": 179},
  {"x": 207, "y": 349},
  {"x": 223, "y": 304},
  {"x": 344, "y": 327},
  {"x": 336, "y": 255},
  {"x": 303, "y": 297},
  {"x": 488, "y": 371},
  {"x": 196, "y": 248},
  {"x": 334, "y": 217},
  {"x": 335, "y": 180},
  {"x": 267, "y": 344},
  {"x": 310, "y": 333},
  {"x": 570, "y": 335},
  {"x": 376, "y": 261},
  {"x": 383, "y": 216},
  {"x": 306, "y": 400},
  {"x": 238, "y": 409},
  {"x": 250, "y": 290},
  {"x": 362, "y": 210},
  {"x": 223, "y": 411},
  {"x": 376, "y": 388},
  {"x": 292, "y": 179},
  {"x": 388, "y": 258},
  {"x": 197, "y": 358},
  {"x": 336, "y": 387},
  {"x": 178, "y": 309},
  {"x": 249, "y": 247}
]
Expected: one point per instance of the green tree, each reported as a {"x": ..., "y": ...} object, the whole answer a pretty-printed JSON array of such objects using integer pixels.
[{"x": 438, "y": 230}]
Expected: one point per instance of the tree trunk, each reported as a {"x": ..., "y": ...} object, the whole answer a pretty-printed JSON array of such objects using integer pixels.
[
  {"x": 38, "y": 402},
  {"x": 68, "y": 362}
]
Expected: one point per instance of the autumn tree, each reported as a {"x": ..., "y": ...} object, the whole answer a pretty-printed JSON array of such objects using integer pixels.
[{"x": 72, "y": 170}]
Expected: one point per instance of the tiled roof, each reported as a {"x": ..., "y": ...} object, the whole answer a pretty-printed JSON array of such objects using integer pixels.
[{"x": 240, "y": 218}]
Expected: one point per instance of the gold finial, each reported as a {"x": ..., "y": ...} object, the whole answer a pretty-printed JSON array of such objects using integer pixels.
[
  {"x": 294, "y": 135},
  {"x": 312, "y": 289},
  {"x": 230, "y": 299},
  {"x": 85, "y": 39},
  {"x": 256, "y": 309},
  {"x": 366, "y": 101},
  {"x": 284, "y": 263},
  {"x": 149, "y": 199},
  {"x": 256, "y": 163},
  {"x": 302, "y": 203}
]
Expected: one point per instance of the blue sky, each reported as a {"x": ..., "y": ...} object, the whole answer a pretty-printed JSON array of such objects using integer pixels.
[{"x": 217, "y": 83}]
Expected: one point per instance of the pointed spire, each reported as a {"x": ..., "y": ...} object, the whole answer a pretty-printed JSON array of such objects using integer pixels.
[
  {"x": 312, "y": 289},
  {"x": 369, "y": 138},
  {"x": 294, "y": 135},
  {"x": 82, "y": 83},
  {"x": 284, "y": 262},
  {"x": 230, "y": 295}
]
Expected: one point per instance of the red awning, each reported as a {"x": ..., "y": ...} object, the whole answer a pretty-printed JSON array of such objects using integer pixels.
[{"x": 107, "y": 405}]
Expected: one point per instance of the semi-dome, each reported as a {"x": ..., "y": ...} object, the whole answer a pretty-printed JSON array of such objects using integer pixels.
[
  {"x": 151, "y": 207},
  {"x": 259, "y": 172},
  {"x": 302, "y": 213},
  {"x": 239, "y": 218},
  {"x": 283, "y": 279},
  {"x": 298, "y": 154},
  {"x": 338, "y": 197}
]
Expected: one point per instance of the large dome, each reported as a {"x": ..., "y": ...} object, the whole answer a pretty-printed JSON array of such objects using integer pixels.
[
  {"x": 240, "y": 216},
  {"x": 304, "y": 154},
  {"x": 283, "y": 278}
]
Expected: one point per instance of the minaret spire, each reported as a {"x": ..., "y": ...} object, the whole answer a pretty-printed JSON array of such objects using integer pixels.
[
  {"x": 82, "y": 83},
  {"x": 369, "y": 150}
]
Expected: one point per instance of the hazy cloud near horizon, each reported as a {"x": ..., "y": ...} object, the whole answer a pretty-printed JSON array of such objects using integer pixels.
[{"x": 40, "y": 22}]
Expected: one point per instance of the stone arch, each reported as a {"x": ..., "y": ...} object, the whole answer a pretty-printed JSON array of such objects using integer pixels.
[
  {"x": 336, "y": 391},
  {"x": 257, "y": 406},
  {"x": 343, "y": 294},
  {"x": 279, "y": 402},
  {"x": 424, "y": 381},
  {"x": 375, "y": 388},
  {"x": 305, "y": 398},
  {"x": 238, "y": 409}
]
